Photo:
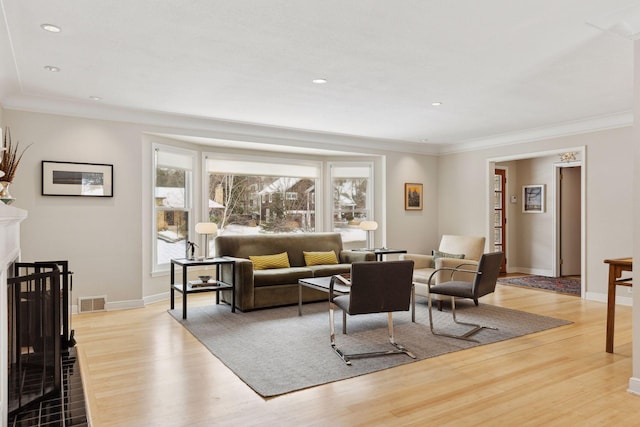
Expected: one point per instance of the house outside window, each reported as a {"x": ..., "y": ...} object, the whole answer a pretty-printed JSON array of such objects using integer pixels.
[
  {"x": 173, "y": 183},
  {"x": 251, "y": 196},
  {"x": 352, "y": 198}
]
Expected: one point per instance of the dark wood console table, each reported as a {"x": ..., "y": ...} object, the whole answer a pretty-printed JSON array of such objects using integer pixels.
[
  {"x": 616, "y": 267},
  {"x": 185, "y": 287}
]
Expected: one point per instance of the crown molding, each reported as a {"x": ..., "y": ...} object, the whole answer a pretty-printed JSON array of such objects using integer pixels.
[
  {"x": 173, "y": 123},
  {"x": 559, "y": 130},
  {"x": 215, "y": 129}
]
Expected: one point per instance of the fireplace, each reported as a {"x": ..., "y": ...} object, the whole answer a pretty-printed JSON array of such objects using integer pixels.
[
  {"x": 34, "y": 353},
  {"x": 10, "y": 219}
]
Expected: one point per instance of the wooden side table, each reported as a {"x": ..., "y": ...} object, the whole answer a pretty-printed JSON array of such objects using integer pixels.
[
  {"x": 213, "y": 286},
  {"x": 616, "y": 267}
]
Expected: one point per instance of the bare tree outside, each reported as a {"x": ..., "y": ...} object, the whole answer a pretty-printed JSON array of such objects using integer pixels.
[{"x": 270, "y": 204}]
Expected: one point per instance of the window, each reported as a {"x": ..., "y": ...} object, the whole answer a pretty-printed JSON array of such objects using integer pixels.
[
  {"x": 352, "y": 197},
  {"x": 173, "y": 183},
  {"x": 249, "y": 195}
]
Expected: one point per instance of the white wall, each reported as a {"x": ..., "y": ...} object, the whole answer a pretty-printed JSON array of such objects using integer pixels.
[
  {"x": 108, "y": 240},
  {"x": 99, "y": 236},
  {"x": 415, "y": 231},
  {"x": 634, "y": 381},
  {"x": 609, "y": 215}
]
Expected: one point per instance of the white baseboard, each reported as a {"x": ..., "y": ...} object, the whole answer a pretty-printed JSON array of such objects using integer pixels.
[
  {"x": 156, "y": 298},
  {"x": 123, "y": 305},
  {"x": 634, "y": 386},
  {"x": 594, "y": 296},
  {"x": 534, "y": 271}
]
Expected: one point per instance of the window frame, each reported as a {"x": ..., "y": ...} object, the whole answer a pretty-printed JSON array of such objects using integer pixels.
[
  {"x": 318, "y": 164},
  {"x": 188, "y": 200},
  {"x": 370, "y": 202}
]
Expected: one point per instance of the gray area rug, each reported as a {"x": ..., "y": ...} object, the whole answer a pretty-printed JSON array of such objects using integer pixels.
[{"x": 275, "y": 351}]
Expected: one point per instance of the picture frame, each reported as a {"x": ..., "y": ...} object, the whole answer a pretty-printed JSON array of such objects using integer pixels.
[
  {"x": 77, "y": 179},
  {"x": 533, "y": 198},
  {"x": 413, "y": 196}
]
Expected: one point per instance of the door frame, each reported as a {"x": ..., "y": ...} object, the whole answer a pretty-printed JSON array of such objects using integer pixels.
[
  {"x": 557, "y": 168},
  {"x": 581, "y": 155}
]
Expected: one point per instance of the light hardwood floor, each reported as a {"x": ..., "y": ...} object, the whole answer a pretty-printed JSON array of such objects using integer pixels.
[{"x": 141, "y": 368}]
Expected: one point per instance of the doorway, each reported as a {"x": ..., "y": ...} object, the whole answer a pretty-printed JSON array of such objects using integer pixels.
[
  {"x": 569, "y": 220},
  {"x": 548, "y": 253}
]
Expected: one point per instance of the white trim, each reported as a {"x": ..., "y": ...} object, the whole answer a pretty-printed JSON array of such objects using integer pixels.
[
  {"x": 555, "y": 235},
  {"x": 533, "y": 271},
  {"x": 600, "y": 297},
  {"x": 634, "y": 386},
  {"x": 582, "y": 153},
  {"x": 274, "y": 135},
  {"x": 576, "y": 127},
  {"x": 151, "y": 299},
  {"x": 123, "y": 305},
  {"x": 188, "y": 199},
  {"x": 370, "y": 203}
]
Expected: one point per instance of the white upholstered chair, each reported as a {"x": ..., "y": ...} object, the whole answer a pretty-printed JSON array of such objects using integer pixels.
[{"x": 472, "y": 247}]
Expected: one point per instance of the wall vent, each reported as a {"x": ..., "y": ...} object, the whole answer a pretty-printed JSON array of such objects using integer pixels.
[{"x": 91, "y": 304}]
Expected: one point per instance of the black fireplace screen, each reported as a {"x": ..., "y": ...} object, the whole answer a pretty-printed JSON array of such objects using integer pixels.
[{"x": 38, "y": 331}]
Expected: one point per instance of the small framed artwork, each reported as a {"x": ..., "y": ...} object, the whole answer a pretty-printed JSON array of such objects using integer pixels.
[
  {"x": 77, "y": 179},
  {"x": 412, "y": 196},
  {"x": 533, "y": 198}
]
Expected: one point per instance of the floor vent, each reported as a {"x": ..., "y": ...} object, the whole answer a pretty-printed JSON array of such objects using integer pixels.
[{"x": 91, "y": 304}]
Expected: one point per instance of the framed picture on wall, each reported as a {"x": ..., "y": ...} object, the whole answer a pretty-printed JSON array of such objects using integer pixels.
[
  {"x": 412, "y": 196},
  {"x": 533, "y": 198},
  {"x": 77, "y": 179}
]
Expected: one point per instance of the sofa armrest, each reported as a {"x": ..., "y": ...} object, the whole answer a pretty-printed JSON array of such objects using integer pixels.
[
  {"x": 243, "y": 282},
  {"x": 419, "y": 260},
  {"x": 466, "y": 264},
  {"x": 349, "y": 257}
]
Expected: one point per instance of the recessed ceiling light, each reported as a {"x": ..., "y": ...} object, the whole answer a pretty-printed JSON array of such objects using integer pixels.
[
  {"x": 51, "y": 28},
  {"x": 436, "y": 103},
  {"x": 319, "y": 81},
  {"x": 51, "y": 68},
  {"x": 95, "y": 98}
]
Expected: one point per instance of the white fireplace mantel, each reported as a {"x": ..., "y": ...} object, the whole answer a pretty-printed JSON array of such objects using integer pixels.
[{"x": 10, "y": 219}]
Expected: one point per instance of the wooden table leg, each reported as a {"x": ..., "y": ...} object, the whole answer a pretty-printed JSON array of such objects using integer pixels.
[{"x": 611, "y": 308}]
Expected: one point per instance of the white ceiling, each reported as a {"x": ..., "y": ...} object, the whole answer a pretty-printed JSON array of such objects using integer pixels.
[{"x": 501, "y": 68}]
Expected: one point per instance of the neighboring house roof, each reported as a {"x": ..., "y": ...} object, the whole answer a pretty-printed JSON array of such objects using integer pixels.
[
  {"x": 279, "y": 185},
  {"x": 173, "y": 197}
]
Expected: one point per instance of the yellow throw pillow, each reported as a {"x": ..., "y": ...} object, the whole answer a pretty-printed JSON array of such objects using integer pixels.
[
  {"x": 320, "y": 258},
  {"x": 264, "y": 262}
]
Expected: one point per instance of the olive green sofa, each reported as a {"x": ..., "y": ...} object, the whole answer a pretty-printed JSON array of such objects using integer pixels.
[{"x": 279, "y": 286}]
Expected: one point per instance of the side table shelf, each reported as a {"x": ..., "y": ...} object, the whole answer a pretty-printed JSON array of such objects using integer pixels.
[{"x": 213, "y": 286}]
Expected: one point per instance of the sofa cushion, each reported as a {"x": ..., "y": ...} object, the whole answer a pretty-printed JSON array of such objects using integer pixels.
[
  {"x": 329, "y": 269},
  {"x": 280, "y": 276},
  {"x": 320, "y": 258},
  {"x": 440, "y": 254},
  {"x": 264, "y": 262}
]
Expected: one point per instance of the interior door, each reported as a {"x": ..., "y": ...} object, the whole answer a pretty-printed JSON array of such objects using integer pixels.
[
  {"x": 499, "y": 215},
  {"x": 570, "y": 221}
]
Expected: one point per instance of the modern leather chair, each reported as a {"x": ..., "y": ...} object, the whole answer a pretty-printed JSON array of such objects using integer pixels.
[
  {"x": 375, "y": 287},
  {"x": 484, "y": 282},
  {"x": 470, "y": 248}
]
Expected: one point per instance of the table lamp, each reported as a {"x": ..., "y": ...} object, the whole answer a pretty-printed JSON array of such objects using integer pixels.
[
  {"x": 206, "y": 228},
  {"x": 369, "y": 227}
]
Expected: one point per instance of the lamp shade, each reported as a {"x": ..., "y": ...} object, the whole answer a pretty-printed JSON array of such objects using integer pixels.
[
  {"x": 206, "y": 228},
  {"x": 369, "y": 225}
]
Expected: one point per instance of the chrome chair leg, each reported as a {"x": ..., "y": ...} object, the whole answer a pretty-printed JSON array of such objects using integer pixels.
[
  {"x": 466, "y": 336},
  {"x": 346, "y": 358},
  {"x": 332, "y": 327}
]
